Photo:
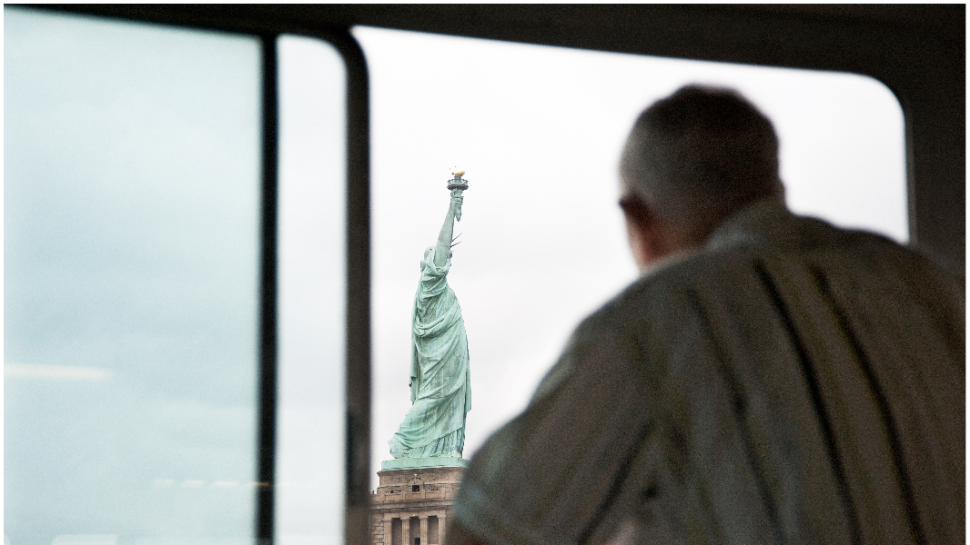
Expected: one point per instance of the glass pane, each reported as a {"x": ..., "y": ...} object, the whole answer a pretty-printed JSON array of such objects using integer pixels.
[
  {"x": 311, "y": 306},
  {"x": 540, "y": 131},
  {"x": 131, "y": 201}
]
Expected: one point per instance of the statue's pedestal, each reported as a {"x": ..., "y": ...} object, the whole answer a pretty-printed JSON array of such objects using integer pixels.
[{"x": 412, "y": 503}]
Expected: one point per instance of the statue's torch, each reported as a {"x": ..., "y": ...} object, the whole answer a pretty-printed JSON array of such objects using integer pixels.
[{"x": 457, "y": 185}]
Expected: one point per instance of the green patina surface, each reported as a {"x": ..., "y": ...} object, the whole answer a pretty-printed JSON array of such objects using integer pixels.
[
  {"x": 420, "y": 463},
  {"x": 433, "y": 431}
]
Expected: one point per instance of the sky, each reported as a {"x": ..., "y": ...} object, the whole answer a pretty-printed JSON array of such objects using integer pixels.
[
  {"x": 539, "y": 132},
  {"x": 131, "y": 198},
  {"x": 130, "y": 260}
]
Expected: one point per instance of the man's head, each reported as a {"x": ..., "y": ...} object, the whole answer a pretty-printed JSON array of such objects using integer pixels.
[{"x": 691, "y": 160}]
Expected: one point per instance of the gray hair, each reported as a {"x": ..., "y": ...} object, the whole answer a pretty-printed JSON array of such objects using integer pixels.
[{"x": 699, "y": 155}]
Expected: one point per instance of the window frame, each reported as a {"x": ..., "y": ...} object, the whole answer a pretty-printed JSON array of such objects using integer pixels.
[{"x": 357, "y": 260}]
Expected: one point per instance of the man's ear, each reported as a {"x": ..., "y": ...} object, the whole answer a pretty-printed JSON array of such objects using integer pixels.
[{"x": 645, "y": 231}]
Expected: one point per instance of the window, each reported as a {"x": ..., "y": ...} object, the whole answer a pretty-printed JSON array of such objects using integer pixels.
[
  {"x": 310, "y": 459},
  {"x": 132, "y": 189},
  {"x": 142, "y": 193},
  {"x": 539, "y": 131}
]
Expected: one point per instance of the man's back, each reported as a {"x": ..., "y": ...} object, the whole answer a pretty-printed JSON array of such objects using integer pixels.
[{"x": 791, "y": 382}]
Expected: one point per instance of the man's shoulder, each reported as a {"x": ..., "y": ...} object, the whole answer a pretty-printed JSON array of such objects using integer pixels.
[
  {"x": 667, "y": 291},
  {"x": 670, "y": 281},
  {"x": 662, "y": 290}
]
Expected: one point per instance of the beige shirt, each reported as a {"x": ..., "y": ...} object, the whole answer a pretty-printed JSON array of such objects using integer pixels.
[{"x": 791, "y": 383}]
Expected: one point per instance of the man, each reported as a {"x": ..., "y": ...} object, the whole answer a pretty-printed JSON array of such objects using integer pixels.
[{"x": 769, "y": 378}]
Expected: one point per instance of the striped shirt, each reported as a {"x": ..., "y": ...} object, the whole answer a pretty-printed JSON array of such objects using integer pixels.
[{"x": 790, "y": 383}]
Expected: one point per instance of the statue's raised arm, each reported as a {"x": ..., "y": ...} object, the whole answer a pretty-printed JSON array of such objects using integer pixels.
[{"x": 443, "y": 249}]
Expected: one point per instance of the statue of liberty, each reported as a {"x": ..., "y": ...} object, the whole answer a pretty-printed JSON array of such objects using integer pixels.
[{"x": 434, "y": 426}]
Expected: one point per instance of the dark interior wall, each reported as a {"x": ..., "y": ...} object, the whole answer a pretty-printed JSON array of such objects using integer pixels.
[{"x": 918, "y": 51}]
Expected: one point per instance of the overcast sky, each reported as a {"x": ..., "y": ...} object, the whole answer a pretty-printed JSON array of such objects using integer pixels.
[
  {"x": 131, "y": 216},
  {"x": 539, "y": 131}
]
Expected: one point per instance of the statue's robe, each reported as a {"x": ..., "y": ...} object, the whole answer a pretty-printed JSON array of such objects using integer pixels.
[{"x": 434, "y": 426}]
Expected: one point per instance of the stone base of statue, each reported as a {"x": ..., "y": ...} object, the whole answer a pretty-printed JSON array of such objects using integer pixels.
[{"x": 412, "y": 505}]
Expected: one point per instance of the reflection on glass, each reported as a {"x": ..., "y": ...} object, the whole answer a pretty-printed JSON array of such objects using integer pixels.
[
  {"x": 311, "y": 307},
  {"x": 131, "y": 236}
]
